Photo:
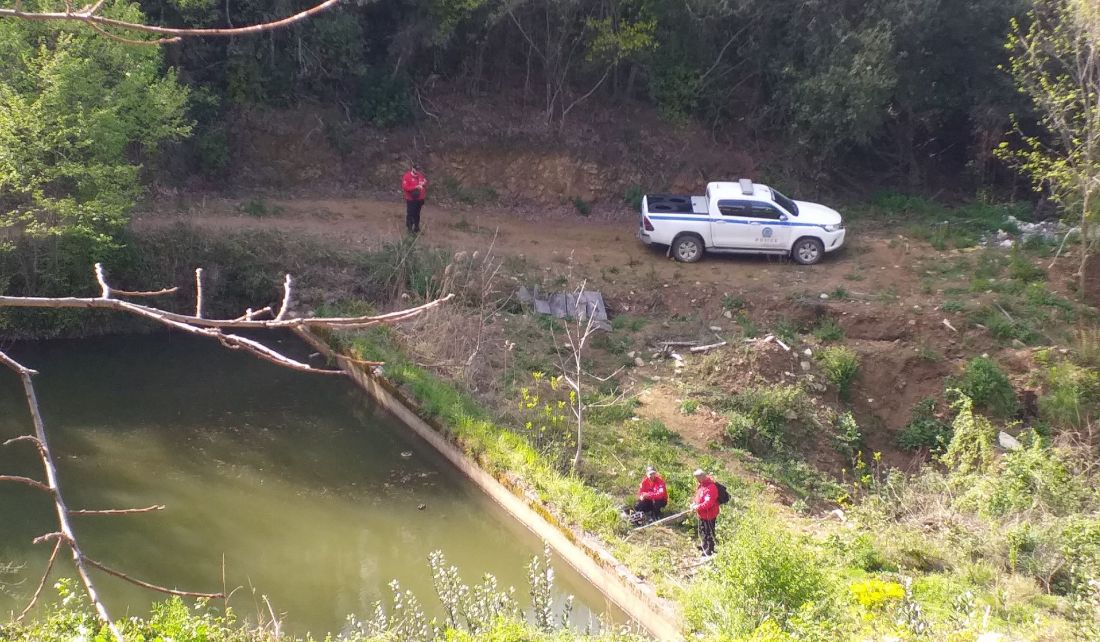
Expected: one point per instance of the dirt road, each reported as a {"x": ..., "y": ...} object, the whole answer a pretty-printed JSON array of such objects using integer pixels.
[{"x": 599, "y": 243}]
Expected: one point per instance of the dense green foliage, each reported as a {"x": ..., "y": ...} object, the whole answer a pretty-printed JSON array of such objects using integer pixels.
[
  {"x": 912, "y": 86},
  {"x": 78, "y": 112}
]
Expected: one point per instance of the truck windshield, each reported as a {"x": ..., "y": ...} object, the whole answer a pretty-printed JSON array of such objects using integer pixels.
[{"x": 784, "y": 202}]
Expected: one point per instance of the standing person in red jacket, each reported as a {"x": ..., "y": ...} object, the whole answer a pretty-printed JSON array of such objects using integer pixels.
[
  {"x": 705, "y": 505},
  {"x": 414, "y": 184},
  {"x": 652, "y": 494}
]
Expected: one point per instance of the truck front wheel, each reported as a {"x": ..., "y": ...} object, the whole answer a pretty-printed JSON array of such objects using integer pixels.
[
  {"x": 807, "y": 251},
  {"x": 687, "y": 248}
]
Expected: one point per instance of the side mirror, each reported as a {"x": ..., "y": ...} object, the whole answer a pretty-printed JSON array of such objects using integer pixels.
[{"x": 782, "y": 217}]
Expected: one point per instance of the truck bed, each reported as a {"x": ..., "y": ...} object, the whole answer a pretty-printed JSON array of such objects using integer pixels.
[{"x": 675, "y": 204}]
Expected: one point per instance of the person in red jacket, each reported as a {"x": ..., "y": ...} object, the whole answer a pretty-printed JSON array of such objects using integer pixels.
[
  {"x": 652, "y": 494},
  {"x": 705, "y": 505},
  {"x": 413, "y": 184}
]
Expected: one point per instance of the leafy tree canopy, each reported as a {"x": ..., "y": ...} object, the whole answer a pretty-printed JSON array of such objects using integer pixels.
[{"x": 78, "y": 113}]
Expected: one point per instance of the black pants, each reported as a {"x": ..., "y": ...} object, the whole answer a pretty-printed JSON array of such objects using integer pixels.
[
  {"x": 412, "y": 215},
  {"x": 650, "y": 506},
  {"x": 706, "y": 533}
]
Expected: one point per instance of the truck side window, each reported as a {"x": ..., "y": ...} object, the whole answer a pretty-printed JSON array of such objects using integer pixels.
[
  {"x": 731, "y": 209},
  {"x": 765, "y": 211}
]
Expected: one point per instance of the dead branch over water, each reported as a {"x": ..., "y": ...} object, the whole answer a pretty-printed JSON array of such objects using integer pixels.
[{"x": 196, "y": 324}]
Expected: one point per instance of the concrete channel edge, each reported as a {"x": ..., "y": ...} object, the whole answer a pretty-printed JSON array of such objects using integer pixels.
[{"x": 580, "y": 550}]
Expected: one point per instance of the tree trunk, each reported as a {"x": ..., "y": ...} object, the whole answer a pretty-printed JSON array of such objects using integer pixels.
[{"x": 1085, "y": 244}]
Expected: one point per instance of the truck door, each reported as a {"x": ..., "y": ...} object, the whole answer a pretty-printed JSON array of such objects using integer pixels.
[
  {"x": 730, "y": 227},
  {"x": 767, "y": 228}
]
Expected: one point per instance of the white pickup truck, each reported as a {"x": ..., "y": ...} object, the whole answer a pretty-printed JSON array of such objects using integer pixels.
[{"x": 742, "y": 217}]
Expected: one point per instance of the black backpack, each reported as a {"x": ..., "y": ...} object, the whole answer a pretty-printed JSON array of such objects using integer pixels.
[{"x": 723, "y": 494}]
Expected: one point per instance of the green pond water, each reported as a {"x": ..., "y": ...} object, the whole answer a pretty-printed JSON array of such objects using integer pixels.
[{"x": 309, "y": 493}]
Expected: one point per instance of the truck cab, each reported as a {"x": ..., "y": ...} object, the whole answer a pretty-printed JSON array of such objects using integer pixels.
[{"x": 740, "y": 217}]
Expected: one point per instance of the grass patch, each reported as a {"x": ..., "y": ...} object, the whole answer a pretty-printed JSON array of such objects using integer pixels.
[
  {"x": 828, "y": 331},
  {"x": 988, "y": 387},
  {"x": 455, "y": 190},
  {"x": 841, "y": 366},
  {"x": 925, "y": 430},
  {"x": 259, "y": 208}
]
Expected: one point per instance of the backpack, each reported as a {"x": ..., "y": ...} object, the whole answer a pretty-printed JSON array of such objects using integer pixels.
[{"x": 723, "y": 494}]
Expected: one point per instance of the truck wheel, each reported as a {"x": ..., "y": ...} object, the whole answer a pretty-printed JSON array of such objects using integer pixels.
[
  {"x": 807, "y": 251},
  {"x": 687, "y": 248}
]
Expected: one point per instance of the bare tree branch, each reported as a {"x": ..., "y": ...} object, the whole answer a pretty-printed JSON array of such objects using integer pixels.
[
  {"x": 153, "y": 587},
  {"x": 155, "y": 42},
  {"x": 91, "y": 18},
  {"x": 198, "y": 292},
  {"x": 26, "y": 481},
  {"x": 42, "y": 582},
  {"x": 51, "y": 486},
  {"x": 286, "y": 299},
  {"x": 119, "y": 511}
]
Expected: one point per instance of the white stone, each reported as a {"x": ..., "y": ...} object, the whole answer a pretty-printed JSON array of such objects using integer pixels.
[{"x": 1008, "y": 442}]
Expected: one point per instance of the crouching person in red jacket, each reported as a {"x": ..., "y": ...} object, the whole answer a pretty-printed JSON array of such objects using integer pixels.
[
  {"x": 705, "y": 505},
  {"x": 652, "y": 495}
]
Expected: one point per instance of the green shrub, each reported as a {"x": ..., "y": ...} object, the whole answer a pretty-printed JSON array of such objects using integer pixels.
[
  {"x": 1003, "y": 328},
  {"x": 988, "y": 388},
  {"x": 925, "y": 430},
  {"x": 733, "y": 303},
  {"x": 840, "y": 365},
  {"x": 1069, "y": 394},
  {"x": 1035, "y": 477},
  {"x": 747, "y": 325},
  {"x": 633, "y": 196},
  {"x": 786, "y": 331},
  {"x": 583, "y": 207},
  {"x": 1022, "y": 269},
  {"x": 739, "y": 428},
  {"x": 212, "y": 151},
  {"x": 655, "y": 430},
  {"x": 759, "y": 416},
  {"x": 383, "y": 100},
  {"x": 689, "y": 406},
  {"x": 763, "y": 572},
  {"x": 849, "y": 437},
  {"x": 971, "y": 445},
  {"x": 858, "y": 550},
  {"x": 613, "y": 414},
  {"x": 828, "y": 331},
  {"x": 1079, "y": 543}
]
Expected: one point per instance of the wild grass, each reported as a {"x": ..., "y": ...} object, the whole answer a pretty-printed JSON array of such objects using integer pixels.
[{"x": 841, "y": 366}]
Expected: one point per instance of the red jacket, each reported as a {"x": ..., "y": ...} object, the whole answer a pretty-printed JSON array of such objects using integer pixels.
[
  {"x": 653, "y": 488},
  {"x": 706, "y": 499},
  {"x": 411, "y": 183}
]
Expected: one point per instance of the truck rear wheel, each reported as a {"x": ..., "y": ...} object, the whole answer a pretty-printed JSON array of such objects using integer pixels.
[
  {"x": 807, "y": 250},
  {"x": 687, "y": 248}
]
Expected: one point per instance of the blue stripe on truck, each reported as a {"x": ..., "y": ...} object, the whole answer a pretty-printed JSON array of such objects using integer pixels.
[{"x": 707, "y": 219}]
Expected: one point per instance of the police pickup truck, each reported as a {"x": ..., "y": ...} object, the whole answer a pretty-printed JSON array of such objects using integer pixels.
[{"x": 741, "y": 217}]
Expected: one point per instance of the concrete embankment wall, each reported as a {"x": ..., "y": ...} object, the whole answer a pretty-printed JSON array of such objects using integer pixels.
[{"x": 580, "y": 550}]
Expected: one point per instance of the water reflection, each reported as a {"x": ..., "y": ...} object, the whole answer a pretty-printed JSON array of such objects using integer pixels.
[{"x": 291, "y": 478}]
